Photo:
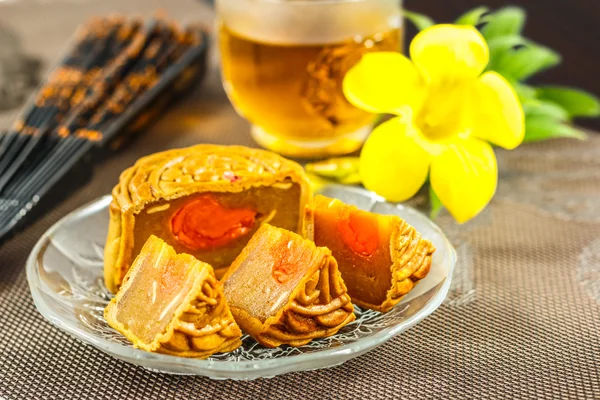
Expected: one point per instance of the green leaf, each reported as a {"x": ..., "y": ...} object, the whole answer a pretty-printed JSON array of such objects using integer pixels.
[
  {"x": 539, "y": 128},
  {"x": 316, "y": 182},
  {"x": 526, "y": 93},
  {"x": 435, "y": 202},
  {"x": 576, "y": 102},
  {"x": 505, "y": 43},
  {"x": 521, "y": 63},
  {"x": 472, "y": 17},
  {"x": 500, "y": 45},
  {"x": 506, "y": 21},
  {"x": 335, "y": 168},
  {"x": 541, "y": 108},
  {"x": 421, "y": 21},
  {"x": 351, "y": 179}
]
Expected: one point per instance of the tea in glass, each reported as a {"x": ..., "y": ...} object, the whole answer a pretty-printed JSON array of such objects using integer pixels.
[{"x": 284, "y": 62}]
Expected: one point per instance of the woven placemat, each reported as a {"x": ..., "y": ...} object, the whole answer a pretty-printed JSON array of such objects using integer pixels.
[{"x": 530, "y": 329}]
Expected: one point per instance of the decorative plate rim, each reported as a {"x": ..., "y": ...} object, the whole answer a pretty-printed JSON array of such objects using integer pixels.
[{"x": 128, "y": 352}]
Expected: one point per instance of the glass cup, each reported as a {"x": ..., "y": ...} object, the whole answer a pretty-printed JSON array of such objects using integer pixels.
[{"x": 283, "y": 63}]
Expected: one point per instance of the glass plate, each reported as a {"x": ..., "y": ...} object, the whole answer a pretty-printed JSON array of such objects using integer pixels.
[{"x": 65, "y": 274}]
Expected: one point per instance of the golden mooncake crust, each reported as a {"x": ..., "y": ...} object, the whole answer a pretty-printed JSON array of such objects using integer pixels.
[
  {"x": 319, "y": 306},
  {"x": 181, "y": 172},
  {"x": 221, "y": 334},
  {"x": 202, "y": 324},
  {"x": 411, "y": 262}
]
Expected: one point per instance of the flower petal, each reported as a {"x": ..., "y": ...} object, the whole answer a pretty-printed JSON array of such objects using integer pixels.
[
  {"x": 392, "y": 163},
  {"x": 447, "y": 53},
  {"x": 442, "y": 115},
  {"x": 497, "y": 113},
  {"x": 383, "y": 82},
  {"x": 464, "y": 176}
]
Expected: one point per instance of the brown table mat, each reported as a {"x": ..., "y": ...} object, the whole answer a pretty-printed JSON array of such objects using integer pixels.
[{"x": 530, "y": 327}]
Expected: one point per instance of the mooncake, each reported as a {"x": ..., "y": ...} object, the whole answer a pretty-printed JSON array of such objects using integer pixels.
[
  {"x": 282, "y": 289},
  {"x": 172, "y": 303},
  {"x": 381, "y": 257},
  {"x": 205, "y": 200}
]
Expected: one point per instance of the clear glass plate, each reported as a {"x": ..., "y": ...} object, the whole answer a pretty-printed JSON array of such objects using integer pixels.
[{"x": 65, "y": 274}]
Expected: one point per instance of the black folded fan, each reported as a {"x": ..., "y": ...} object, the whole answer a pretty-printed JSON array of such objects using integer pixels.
[{"x": 118, "y": 73}]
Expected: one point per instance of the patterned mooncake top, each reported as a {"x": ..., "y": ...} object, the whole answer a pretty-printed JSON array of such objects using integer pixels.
[{"x": 202, "y": 168}]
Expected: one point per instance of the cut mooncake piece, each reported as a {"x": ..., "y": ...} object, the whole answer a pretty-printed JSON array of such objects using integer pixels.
[
  {"x": 172, "y": 303},
  {"x": 381, "y": 257},
  {"x": 282, "y": 289},
  {"x": 204, "y": 200}
]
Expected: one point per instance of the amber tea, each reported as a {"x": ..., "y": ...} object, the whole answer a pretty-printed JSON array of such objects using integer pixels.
[{"x": 286, "y": 78}]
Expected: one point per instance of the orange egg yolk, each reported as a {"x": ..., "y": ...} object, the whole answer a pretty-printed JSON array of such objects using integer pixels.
[
  {"x": 204, "y": 223},
  {"x": 359, "y": 231}
]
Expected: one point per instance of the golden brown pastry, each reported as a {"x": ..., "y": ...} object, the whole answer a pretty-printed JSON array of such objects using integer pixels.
[
  {"x": 381, "y": 257},
  {"x": 204, "y": 200},
  {"x": 282, "y": 289},
  {"x": 173, "y": 304}
]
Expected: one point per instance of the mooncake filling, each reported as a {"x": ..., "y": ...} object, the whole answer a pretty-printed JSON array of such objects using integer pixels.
[
  {"x": 215, "y": 227},
  {"x": 360, "y": 242},
  {"x": 159, "y": 285},
  {"x": 262, "y": 283}
]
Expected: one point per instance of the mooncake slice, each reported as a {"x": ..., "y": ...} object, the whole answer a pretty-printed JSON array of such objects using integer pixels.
[
  {"x": 381, "y": 257},
  {"x": 204, "y": 200},
  {"x": 172, "y": 303},
  {"x": 282, "y": 289}
]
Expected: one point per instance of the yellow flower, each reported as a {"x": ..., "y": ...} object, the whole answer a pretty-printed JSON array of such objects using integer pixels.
[{"x": 446, "y": 113}]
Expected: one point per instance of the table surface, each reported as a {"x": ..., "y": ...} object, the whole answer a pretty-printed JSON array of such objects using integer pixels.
[{"x": 523, "y": 320}]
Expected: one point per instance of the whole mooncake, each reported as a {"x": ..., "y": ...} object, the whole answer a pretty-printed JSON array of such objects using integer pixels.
[
  {"x": 381, "y": 257},
  {"x": 204, "y": 200},
  {"x": 282, "y": 289},
  {"x": 173, "y": 304}
]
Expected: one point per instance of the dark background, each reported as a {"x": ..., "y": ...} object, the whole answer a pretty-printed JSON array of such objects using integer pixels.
[{"x": 570, "y": 27}]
